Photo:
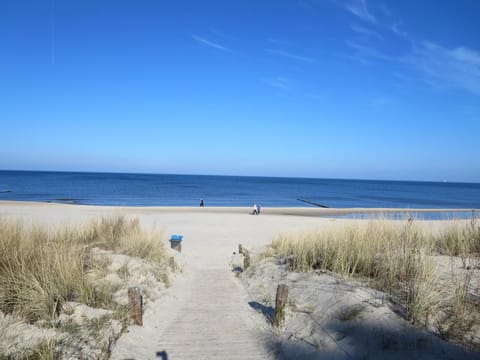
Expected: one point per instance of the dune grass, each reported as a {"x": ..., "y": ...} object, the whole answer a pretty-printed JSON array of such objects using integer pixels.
[
  {"x": 126, "y": 237},
  {"x": 41, "y": 270},
  {"x": 460, "y": 240},
  {"x": 399, "y": 259}
]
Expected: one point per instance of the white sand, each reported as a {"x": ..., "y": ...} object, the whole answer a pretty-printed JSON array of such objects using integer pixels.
[{"x": 205, "y": 313}]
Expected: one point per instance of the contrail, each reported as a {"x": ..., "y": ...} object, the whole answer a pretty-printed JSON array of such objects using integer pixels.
[{"x": 52, "y": 31}]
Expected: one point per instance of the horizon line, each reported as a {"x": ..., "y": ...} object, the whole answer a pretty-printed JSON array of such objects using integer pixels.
[{"x": 247, "y": 176}]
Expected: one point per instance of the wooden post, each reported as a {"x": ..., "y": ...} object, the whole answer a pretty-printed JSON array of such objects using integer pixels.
[
  {"x": 136, "y": 304},
  {"x": 171, "y": 263},
  {"x": 246, "y": 259},
  {"x": 280, "y": 302}
]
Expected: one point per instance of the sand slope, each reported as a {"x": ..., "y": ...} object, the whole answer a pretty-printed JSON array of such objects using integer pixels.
[{"x": 205, "y": 314}]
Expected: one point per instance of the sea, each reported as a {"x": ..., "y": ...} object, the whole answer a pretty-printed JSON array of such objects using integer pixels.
[{"x": 122, "y": 189}]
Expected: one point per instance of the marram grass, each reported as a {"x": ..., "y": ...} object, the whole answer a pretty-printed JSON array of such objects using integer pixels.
[
  {"x": 39, "y": 271},
  {"x": 398, "y": 258}
]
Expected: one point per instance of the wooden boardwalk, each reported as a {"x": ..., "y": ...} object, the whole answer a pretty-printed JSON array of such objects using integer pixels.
[
  {"x": 214, "y": 322},
  {"x": 205, "y": 315}
]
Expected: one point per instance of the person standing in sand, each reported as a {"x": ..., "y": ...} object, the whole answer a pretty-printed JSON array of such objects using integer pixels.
[{"x": 202, "y": 204}]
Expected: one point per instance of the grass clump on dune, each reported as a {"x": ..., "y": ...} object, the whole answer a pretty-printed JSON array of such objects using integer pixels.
[
  {"x": 458, "y": 240},
  {"x": 41, "y": 270},
  {"x": 399, "y": 258},
  {"x": 125, "y": 236}
]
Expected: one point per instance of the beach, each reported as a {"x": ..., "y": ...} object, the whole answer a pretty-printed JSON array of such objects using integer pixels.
[
  {"x": 232, "y": 180},
  {"x": 210, "y": 234},
  {"x": 205, "y": 313}
]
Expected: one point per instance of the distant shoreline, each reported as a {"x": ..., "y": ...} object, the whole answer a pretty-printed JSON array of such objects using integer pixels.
[{"x": 292, "y": 211}]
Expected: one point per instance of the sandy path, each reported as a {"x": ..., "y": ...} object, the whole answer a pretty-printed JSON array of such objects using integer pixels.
[
  {"x": 195, "y": 332},
  {"x": 205, "y": 314}
]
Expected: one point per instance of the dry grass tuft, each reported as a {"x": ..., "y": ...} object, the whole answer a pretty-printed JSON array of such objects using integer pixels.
[
  {"x": 39, "y": 271},
  {"x": 398, "y": 258},
  {"x": 126, "y": 237},
  {"x": 460, "y": 240},
  {"x": 44, "y": 351}
]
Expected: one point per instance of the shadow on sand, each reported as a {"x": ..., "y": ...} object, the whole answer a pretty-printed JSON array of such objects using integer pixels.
[
  {"x": 267, "y": 311},
  {"x": 162, "y": 355},
  {"x": 363, "y": 340}
]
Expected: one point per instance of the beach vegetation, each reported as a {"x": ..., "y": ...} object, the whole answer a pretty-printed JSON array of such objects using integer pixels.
[
  {"x": 401, "y": 259},
  {"x": 43, "y": 351},
  {"x": 460, "y": 240},
  {"x": 42, "y": 270},
  {"x": 123, "y": 271}
]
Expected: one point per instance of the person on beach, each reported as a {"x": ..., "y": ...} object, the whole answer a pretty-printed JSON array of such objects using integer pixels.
[
  {"x": 202, "y": 204},
  {"x": 255, "y": 209},
  {"x": 258, "y": 209}
]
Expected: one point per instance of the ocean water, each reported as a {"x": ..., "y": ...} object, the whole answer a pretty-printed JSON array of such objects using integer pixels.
[{"x": 187, "y": 190}]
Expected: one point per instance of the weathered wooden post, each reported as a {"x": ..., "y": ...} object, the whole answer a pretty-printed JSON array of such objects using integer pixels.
[
  {"x": 171, "y": 263},
  {"x": 135, "y": 301},
  {"x": 280, "y": 302},
  {"x": 246, "y": 259}
]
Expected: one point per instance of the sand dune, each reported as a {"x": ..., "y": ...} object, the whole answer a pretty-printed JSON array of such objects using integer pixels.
[{"x": 205, "y": 313}]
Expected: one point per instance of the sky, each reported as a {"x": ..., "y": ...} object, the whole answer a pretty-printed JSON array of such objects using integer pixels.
[{"x": 357, "y": 89}]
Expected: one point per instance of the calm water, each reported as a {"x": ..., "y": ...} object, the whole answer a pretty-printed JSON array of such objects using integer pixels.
[{"x": 186, "y": 190}]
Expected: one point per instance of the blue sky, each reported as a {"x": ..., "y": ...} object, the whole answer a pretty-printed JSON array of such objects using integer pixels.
[{"x": 308, "y": 88}]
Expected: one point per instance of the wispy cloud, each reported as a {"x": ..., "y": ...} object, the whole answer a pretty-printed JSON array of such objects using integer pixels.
[
  {"x": 402, "y": 77},
  {"x": 279, "y": 83},
  {"x": 364, "y": 31},
  {"x": 291, "y": 56},
  {"x": 209, "y": 43},
  {"x": 397, "y": 30},
  {"x": 278, "y": 42},
  {"x": 366, "y": 53},
  {"x": 458, "y": 67},
  {"x": 385, "y": 9},
  {"x": 433, "y": 64},
  {"x": 416, "y": 59},
  {"x": 314, "y": 96},
  {"x": 381, "y": 102},
  {"x": 359, "y": 8}
]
